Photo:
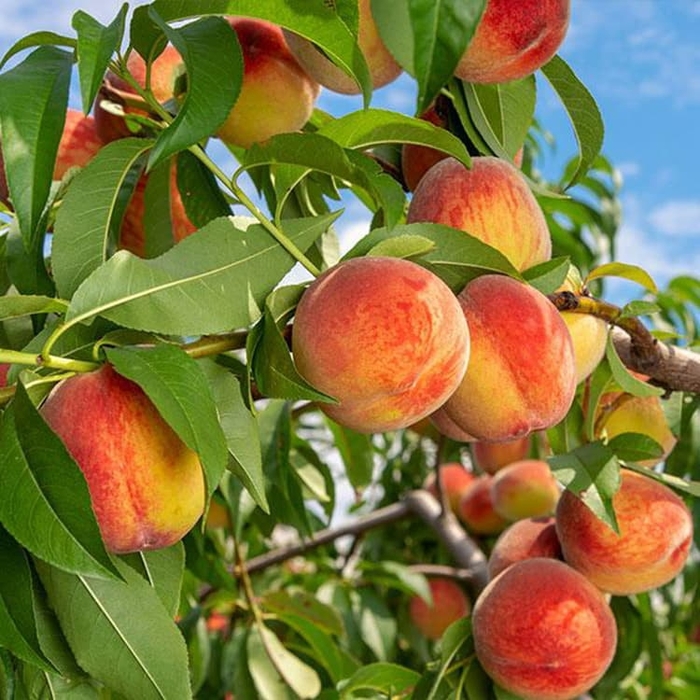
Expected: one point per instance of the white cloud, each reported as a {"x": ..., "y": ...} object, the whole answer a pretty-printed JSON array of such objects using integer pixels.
[{"x": 677, "y": 217}]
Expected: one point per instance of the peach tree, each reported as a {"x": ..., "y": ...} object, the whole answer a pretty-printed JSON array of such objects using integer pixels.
[{"x": 224, "y": 425}]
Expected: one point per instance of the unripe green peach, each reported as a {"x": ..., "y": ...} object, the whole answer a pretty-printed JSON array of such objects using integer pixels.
[
  {"x": 491, "y": 201},
  {"x": 521, "y": 375},
  {"x": 383, "y": 68},
  {"x": 514, "y": 39},
  {"x": 455, "y": 479},
  {"x": 146, "y": 486},
  {"x": 383, "y": 336},
  {"x": 525, "y": 489},
  {"x": 656, "y": 533},
  {"x": 543, "y": 631},
  {"x": 449, "y": 604},
  {"x": 524, "y": 539}
]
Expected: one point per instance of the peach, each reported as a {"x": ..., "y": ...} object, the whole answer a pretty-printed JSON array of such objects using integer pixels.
[
  {"x": 514, "y": 39},
  {"x": 417, "y": 160},
  {"x": 79, "y": 143},
  {"x": 491, "y": 201},
  {"x": 277, "y": 95},
  {"x": 521, "y": 375},
  {"x": 165, "y": 71},
  {"x": 4, "y": 370},
  {"x": 525, "y": 489},
  {"x": 641, "y": 414},
  {"x": 656, "y": 533},
  {"x": 146, "y": 486},
  {"x": 382, "y": 66},
  {"x": 490, "y": 457},
  {"x": 132, "y": 234},
  {"x": 476, "y": 509},
  {"x": 447, "y": 427},
  {"x": 543, "y": 631},
  {"x": 455, "y": 479},
  {"x": 524, "y": 539},
  {"x": 383, "y": 336},
  {"x": 449, "y": 604}
]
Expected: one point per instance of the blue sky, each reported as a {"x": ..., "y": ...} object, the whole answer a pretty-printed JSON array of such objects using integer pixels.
[{"x": 641, "y": 61}]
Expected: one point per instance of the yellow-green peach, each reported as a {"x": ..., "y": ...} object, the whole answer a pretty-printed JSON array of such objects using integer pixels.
[
  {"x": 490, "y": 201},
  {"x": 449, "y": 603},
  {"x": 524, "y": 539},
  {"x": 383, "y": 68},
  {"x": 514, "y": 39},
  {"x": 277, "y": 94},
  {"x": 522, "y": 374},
  {"x": 525, "y": 489},
  {"x": 651, "y": 548},
  {"x": 385, "y": 337},
  {"x": 543, "y": 631},
  {"x": 146, "y": 486}
]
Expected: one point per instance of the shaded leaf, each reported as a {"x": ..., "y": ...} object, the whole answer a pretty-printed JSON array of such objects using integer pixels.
[
  {"x": 385, "y": 678},
  {"x": 14, "y": 306}
]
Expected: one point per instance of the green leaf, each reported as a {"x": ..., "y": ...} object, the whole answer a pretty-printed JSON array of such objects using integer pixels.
[
  {"x": 428, "y": 38},
  {"x": 179, "y": 389},
  {"x": 548, "y": 276},
  {"x": 96, "y": 44},
  {"x": 356, "y": 452},
  {"x": 33, "y": 101},
  {"x": 18, "y": 627},
  {"x": 46, "y": 507},
  {"x": 304, "y": 604},
  {"x": 406, "y": 246},
  {"x": 634, "y": 273},
  {"x": 91, "y": 211},
  {"x": 272, "y": 664},
  {"x": 385, "y": 678},
  {"x": 15, "y": 306},
  {"x": 120, "y": 632},
  {"x": 583, "y": 113},
  {"x": 40, "y": 684},
  {"x": 321, "y": 23},
  {"x": 635, "y": 447},
  {"x": 200, "y": 194},
  {"x": 214, "y": 64},
  {"x": 626, "y": 381},
  {"x": 375, "y": 621},
  {"x": 212, "y": 281},
  {"x": 157, "y": 210},
  {"x": 502, "y": 113},
  {"x": 592, "y": 473},
  {"x": 40, "y": 38}
]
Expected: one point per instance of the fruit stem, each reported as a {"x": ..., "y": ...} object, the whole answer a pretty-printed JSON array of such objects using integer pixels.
[
  {"x": 215, "y": 344},
  {"x": 244, "y": 577},
  {"x": 44, "y": 359}
]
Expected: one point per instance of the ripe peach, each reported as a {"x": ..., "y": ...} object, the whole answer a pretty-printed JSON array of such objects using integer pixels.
[
  {"x": 656, "y": 533},
  {"x": 521, "y": 375},
  {"x": 132, "y": 234},
  {"x": 277, "y": 95},
  {"x": 165, "y": 70},
  {"x": 490, "y": 457},
  {"x": 146, "y": 486},
  {"x": 455, "y": 479},
  {"x": 449, "y": 604},
  {"x": 447, "y": 427},
  {"x": 645, "y": 415},
  {"x": 543, "y": 631},
  {"x": 4, "y": 370},
  {"x": 383, "y": 336},
  {"x": 417, "y": 160},
  {"x": 513, "y": 40},
  {"x": 525, "y": 489},
  {"x": 382, "y": 66},
  {"x": 524, "y": 539},
  {"x": 79, "y": 143},
  {"x": 491, "y": 201},
  {"x": 476, "y": 509}
]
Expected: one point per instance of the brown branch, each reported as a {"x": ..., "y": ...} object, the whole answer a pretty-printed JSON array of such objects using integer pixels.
[{"x": 465, "y": 552}]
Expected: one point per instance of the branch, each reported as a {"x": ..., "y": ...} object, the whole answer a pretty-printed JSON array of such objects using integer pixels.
[{"x": 465, "y": 552}]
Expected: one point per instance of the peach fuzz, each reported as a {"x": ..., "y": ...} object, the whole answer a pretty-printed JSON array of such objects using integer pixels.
[
  {"x": 383, "y": 336},
  {"x": 490, "y": 201},
  {"x": 525, "y": 489},
  {"x": 449, "y": 604},
  {"x": 521, "y": 375},
  {"x": 645, "y": 415},
  {"x": 132, "y": 233},
  {"x": 524, "y": 539},
  {"x": 543, "y": 631},
  {"x": 277, "y": 94},
  {"x": 490, "y": 457},
  {"x": 476, "y": 509},
  {"x": 383, "y": 68},
  {"x": 514, "y": 39},
  {"x": 656, "y": 533},
  {"x": 146, "y": 486},
  {"x": 79, "y": 143},
  {"x": 455, "y": 479}
]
